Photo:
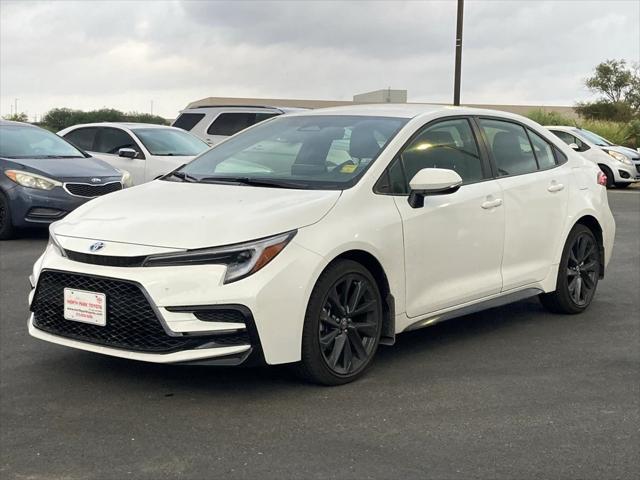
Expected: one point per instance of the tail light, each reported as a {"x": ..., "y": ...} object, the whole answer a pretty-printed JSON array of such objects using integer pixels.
[{"x": 602, "y": 179}]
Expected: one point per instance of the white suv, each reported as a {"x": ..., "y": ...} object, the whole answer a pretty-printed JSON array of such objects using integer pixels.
[
  {"x": 215, "y": 123},
  {"x": 621, "y": 165},
  {"x": 315, "y": 237},
  {"x": 143, "y": 149}
]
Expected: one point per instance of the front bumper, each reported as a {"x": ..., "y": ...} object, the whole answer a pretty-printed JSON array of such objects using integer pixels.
[
  {"x": 628, "y": 173},
  {"x": 31, "y": 207},
  {"x": 274, "y": 301}
]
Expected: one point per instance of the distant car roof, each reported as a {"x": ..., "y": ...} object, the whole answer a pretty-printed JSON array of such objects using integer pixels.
[
  {"x": 241, "y": 107},
  {"x": 8, "y": 123},
  {"x": 130, "y": 125}
]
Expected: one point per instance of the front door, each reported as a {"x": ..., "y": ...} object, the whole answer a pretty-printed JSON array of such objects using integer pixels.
[{"x": 453, "y": 244}]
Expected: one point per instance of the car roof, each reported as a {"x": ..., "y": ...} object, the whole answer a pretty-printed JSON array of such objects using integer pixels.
[
  {"x": 563, "y": 127},
  {"x": 408, "y": 110},
  {"x": 238, "y": 107},
  {"x": 129, "y": 125}
]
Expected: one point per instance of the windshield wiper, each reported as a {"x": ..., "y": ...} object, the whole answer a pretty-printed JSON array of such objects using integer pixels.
[
  {"x": 185, "y": 177},
  {"x": 255, "y": 182}
]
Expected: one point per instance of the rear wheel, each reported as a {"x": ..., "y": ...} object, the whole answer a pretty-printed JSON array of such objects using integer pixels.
[
  {"x": 578, "y": 274},
  {"x": 342, "y": 325},
  {"x": 6, "y": 227},
  {"x": 607, "y": 171}
]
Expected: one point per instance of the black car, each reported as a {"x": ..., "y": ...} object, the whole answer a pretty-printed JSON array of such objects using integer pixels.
[{"x": 43, "y": 177}]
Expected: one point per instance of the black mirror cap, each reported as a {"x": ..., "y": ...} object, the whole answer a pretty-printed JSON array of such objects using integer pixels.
[{"x": 416, "y": 197}]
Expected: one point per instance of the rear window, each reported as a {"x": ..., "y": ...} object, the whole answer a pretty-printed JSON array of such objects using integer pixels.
[
  {"x": 187, "y": 121},
  {"x": 228, "y": 124}
]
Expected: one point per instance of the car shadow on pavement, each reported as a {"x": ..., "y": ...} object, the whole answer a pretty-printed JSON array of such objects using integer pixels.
[{"x": 419, "y": 347}]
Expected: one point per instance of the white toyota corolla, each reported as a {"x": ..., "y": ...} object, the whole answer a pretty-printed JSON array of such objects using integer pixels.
[{"x": 315, "y": 237}]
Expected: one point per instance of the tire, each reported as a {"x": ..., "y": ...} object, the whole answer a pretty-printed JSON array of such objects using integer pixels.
[
  {"x": 607, "y": 171},
  {"x": 342, "y": 325},
  {"x": 622, "y": 185},
  {"x": 578, "y": 274},
  {"x": 6, "y": 227}
]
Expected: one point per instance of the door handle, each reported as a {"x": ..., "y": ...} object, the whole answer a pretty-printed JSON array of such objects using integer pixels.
[
  {"x": 555, "y": 187},
  {"x": 492, "y": 203}
]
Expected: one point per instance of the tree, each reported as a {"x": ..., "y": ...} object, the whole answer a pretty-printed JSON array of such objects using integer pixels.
[
  {"x": 17, "y": 117},
  {"x": 619, "y": 88},
  {"x": 612, "y": 79},
  {"x": 60, "y": 118}
]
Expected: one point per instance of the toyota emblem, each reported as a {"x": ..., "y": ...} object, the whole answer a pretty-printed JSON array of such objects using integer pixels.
[{"x": 96, "y": 246}]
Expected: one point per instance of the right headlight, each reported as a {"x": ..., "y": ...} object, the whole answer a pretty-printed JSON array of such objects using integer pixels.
[
  {"x": 619, "y": 156},
  {"x": 32, "y": 180},
  {"x": 241, "y": 259}
]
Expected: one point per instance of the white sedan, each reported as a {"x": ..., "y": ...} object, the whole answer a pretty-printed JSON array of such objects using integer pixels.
[
  {"x": 145, "y": 150},
  {"x": 621, "y": 165},
  {"x": 315, "y": 237}
]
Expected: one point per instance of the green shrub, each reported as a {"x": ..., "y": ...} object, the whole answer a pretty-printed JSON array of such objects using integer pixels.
[
  {"x": 544, "y": 117},
  {"x": 59, "y": 118}
]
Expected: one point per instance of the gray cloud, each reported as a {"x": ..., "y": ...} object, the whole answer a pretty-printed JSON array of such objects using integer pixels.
[{"x": 124, "y": 54}]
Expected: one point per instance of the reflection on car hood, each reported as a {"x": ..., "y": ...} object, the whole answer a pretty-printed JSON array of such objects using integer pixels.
[
  {"x": 190, "y": 215},
  {"x": 66, "y": 168}
]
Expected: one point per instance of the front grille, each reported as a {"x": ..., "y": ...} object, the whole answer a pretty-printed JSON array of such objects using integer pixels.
[
  {"x": 108, "y": 260},
  {"x": 90, "y": 191},
  {"x": 131, "y": 322}
]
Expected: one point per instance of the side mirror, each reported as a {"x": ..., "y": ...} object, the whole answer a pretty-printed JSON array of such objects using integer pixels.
[
  {"x": 432, "y": 181},
  {"x": 574, "y": 146},
  {"x": 127, "y": 153}
]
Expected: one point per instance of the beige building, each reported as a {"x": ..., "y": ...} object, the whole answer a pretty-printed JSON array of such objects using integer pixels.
[{"x": 377, "y": 96}]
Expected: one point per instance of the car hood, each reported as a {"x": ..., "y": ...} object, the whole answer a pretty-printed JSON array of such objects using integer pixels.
[
  {"x": 66, "y": 168},
  {"x": 189, "y": 215}
]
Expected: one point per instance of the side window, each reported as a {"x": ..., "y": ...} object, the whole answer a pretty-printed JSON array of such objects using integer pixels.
[
  {"x": 542, "y": 151},
  {"x": 561, "y": 158},
  {"x": 82, "y": 137},
  {"x": 510, "y": 146},
  {"x": 569, "y": 139},
  {"x": 187, "y": 121},
  {"x": 111, "y": 140},
  {"x": 228, "y": 124},
  {"x": 447, "y": 144}
]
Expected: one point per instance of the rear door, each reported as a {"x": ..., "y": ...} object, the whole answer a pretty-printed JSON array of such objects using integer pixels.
[
  {"x": 453, "y": 244},
  {"x": 535, "y": 189}
]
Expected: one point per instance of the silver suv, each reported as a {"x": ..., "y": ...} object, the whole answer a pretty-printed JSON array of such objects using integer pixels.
[{"x": 216, "y": 122}]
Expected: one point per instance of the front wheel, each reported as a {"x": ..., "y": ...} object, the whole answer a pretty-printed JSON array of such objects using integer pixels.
[
  {"x": 578, "y": 274},
  {"x": 342, "y": 325},
  {"x": 6, "y": 226}
]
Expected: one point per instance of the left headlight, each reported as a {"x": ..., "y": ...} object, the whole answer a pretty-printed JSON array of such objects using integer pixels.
[
  {"x": 53, "y": 242},
  {"x": 241, "y": 260},
  {"x": 32, "y": 180},
  {"x": 619, "y": 156}
]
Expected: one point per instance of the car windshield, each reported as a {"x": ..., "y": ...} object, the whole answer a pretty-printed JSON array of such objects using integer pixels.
[
  {"x": 594, "y": 138},
  {"x": 167, "y": 142},
  {"x": 306, "y": 152},
  {"x": 22, "y": 141}
]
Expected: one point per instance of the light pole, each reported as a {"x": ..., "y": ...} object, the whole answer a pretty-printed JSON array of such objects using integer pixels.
[{"x": 456, "y": 80}]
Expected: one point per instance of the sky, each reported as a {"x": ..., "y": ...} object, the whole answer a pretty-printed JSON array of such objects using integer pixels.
[{"x": 128, "y": 54}]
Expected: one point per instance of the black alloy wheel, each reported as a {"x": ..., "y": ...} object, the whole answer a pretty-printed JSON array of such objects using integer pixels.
[
  {"x": 342, "y": 326},
  {"x": 578, "y": 273},
  {"x": 583, "y": 269}
]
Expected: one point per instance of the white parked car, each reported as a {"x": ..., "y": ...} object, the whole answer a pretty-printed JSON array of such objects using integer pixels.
[
  {"x": 145, "y": 150},
  {"x": 216, "y": 122},
  {"x": 621, "y": 165},
  {"x": 314, "y": 237}
]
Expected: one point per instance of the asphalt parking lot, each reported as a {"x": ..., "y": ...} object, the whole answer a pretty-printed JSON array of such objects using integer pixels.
[{"x": 513, "y": 392}]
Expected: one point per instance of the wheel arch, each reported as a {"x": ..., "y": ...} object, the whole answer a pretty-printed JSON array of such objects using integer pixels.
[
  {"x": 593, "y": 224},
  {"x": 371, "y": 263}
]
